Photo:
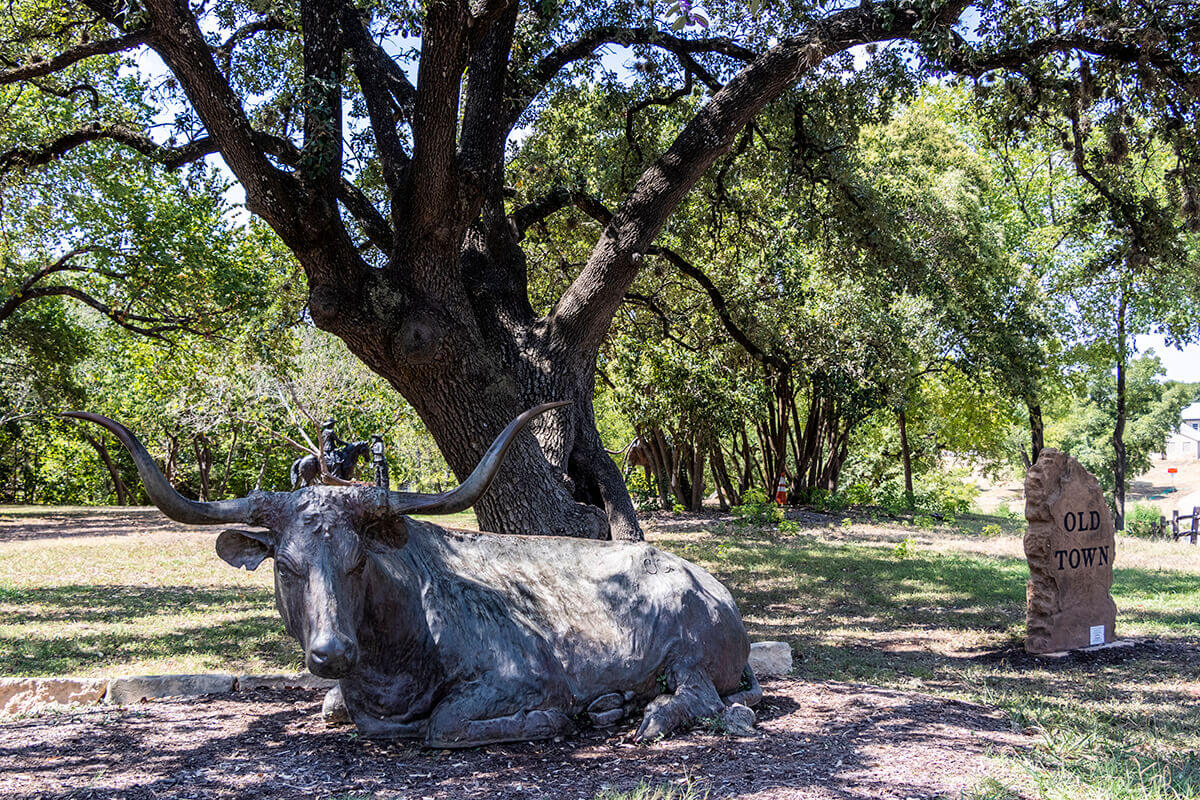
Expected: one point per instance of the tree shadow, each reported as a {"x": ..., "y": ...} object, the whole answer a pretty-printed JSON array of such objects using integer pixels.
[
  {"x": 70, "y": 629},
  {"x": 266, "y": 744}
]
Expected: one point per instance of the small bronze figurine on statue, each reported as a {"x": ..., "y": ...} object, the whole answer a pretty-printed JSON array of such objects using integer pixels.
[
  {"x": 379, "y": 461},
  {"x": 341, "y": 459}
]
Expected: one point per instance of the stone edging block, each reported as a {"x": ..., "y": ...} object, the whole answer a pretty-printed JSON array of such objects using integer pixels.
[
  {"x": 126, "y": 691},
  {"x": 302, "y": 680},
  {"x": 770, "y": 659},
  {"x": 25, "y": 695}
]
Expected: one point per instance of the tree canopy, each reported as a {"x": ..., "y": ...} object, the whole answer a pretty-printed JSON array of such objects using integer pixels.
[{"x": 393, "y": 150}]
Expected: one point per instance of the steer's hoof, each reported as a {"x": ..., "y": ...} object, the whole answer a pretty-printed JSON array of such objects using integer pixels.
[
  {"x": 334, "y": 710},
  {"x": 658, "y": 721}
]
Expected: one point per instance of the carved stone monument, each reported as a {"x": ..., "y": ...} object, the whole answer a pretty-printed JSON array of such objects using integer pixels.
[{"x": 1070, "y": 548}]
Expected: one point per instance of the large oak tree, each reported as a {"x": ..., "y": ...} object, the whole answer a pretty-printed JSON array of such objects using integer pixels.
[{"x": 391, "y": 190}]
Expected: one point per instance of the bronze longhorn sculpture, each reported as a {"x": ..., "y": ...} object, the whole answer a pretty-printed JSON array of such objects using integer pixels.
[{"x": 463, "y": 639}]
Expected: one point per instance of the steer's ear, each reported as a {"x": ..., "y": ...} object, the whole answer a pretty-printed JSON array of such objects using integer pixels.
[{"x": 245, "y": 548}]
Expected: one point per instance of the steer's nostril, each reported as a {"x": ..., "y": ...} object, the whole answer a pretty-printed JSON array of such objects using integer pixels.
[{"x": 332, "y": 659}]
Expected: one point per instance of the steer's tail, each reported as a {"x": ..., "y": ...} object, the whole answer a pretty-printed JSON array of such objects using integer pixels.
[{"x": 749, "y": 693}]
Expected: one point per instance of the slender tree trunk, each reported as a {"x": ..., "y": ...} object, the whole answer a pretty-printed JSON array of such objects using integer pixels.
[
  {"x": 721, "y": 476},
  {"x": 661, "y": 450},
  {"x": 262, "y": 470},
  {"x": 1037, "y": 430},
  {"x": 171, "y": 465},
  {"x": 699, "y": 456},
  {"x": 114, "y": 474},
  {"x": 747, "y": 475},
  {"x": 228, "y": 463},
  {"x": 1118, "y": 438},
  {"x": 906, "y": 454},
  {"x": 203, "y": 453}
]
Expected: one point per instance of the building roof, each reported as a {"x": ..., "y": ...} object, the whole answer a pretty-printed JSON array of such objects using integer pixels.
[
  {"x": 1186, "y": 433},
  {"x": 1191, "y": 412}
]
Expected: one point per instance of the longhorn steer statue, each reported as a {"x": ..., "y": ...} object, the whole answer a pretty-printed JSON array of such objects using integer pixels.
[{"x": 463, "y": 638}]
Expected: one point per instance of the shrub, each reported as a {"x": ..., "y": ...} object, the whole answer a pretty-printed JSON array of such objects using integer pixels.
[
  {"x": 904, "y": 549},
  {"x": 1143, "y": 520},
  {"x": 1003, "y": 510},
  {"x": 789, "y": 526},
  {"x": 756, "y": 509},
  {"x": 641, "y": 491},
  {"x": 991, "y": 529},
  {"x": 823, "y": 500}
]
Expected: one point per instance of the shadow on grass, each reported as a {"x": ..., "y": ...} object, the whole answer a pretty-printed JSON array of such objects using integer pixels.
[
  {"x": 55, "y": 627},
  {"x": 888, "y": 615}
]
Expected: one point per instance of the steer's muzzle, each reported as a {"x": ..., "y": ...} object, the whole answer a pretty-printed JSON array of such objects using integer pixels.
[{"x": 332, "y": 658}]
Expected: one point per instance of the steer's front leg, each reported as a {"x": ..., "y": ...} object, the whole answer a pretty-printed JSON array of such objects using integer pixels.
[{"x": 469, "y": 718}]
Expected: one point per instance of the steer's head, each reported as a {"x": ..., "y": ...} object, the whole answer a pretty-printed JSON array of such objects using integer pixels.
[{"x": 321, "y": 539}]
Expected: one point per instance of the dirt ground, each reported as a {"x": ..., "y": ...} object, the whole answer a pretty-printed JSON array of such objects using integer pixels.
[
  {"x": 815, "y": 740},
  {"x": 1158, "y": 487}
]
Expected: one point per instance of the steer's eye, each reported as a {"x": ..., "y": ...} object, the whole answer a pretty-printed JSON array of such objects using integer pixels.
[{"x": 289, "y": 569}]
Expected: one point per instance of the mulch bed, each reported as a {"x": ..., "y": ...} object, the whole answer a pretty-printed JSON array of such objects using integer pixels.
[{"x": 815, "y": 740}]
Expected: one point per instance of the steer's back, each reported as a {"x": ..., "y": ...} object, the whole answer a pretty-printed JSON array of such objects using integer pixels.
[{"x": 615, "y": 615}]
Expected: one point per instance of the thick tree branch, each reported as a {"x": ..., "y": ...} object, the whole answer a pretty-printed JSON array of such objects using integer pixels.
[
  {"x": 270, "y": 193},
  {"x": 224, "y": 53},
  {"x": 721, "y": 307},
  {"x": 584, "y": 312},
  {"x": 36, "y": 69},
  {"x": 20, "y": 295},
  {"x": 966, "y": 60},
  {"x": 588, "y": 43},
  {"x": 596, "y": 210},
  {"x": 373, "y": 78},
  {"x": 39, "y": 155},
  {"x": 429, "y": 212},
  {"x": 154, "y": 327},
  {"x": 321, "y": 157},
  {"x": 357, "y": 203},
  {"x": 483, "y": 129}
]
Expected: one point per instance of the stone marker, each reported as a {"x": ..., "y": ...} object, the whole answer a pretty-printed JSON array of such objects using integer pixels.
[
  {"x": 1070, "y": 548},
  {"x": 770, "y": 659}
]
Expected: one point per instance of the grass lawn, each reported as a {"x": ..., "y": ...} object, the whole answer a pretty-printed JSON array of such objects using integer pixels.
[{"x": 939, "y": 611}]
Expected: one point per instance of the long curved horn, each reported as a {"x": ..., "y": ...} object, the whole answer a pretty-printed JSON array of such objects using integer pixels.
[
  {"x": 469, "y": 492},
  {"x": 161, "y": 492}
]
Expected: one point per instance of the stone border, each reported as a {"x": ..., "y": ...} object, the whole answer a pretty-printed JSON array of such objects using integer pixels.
[{"x": 27, "y": 695}]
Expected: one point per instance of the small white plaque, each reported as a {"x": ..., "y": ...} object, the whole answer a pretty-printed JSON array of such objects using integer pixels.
[{"x": 1097, "y": 634}]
